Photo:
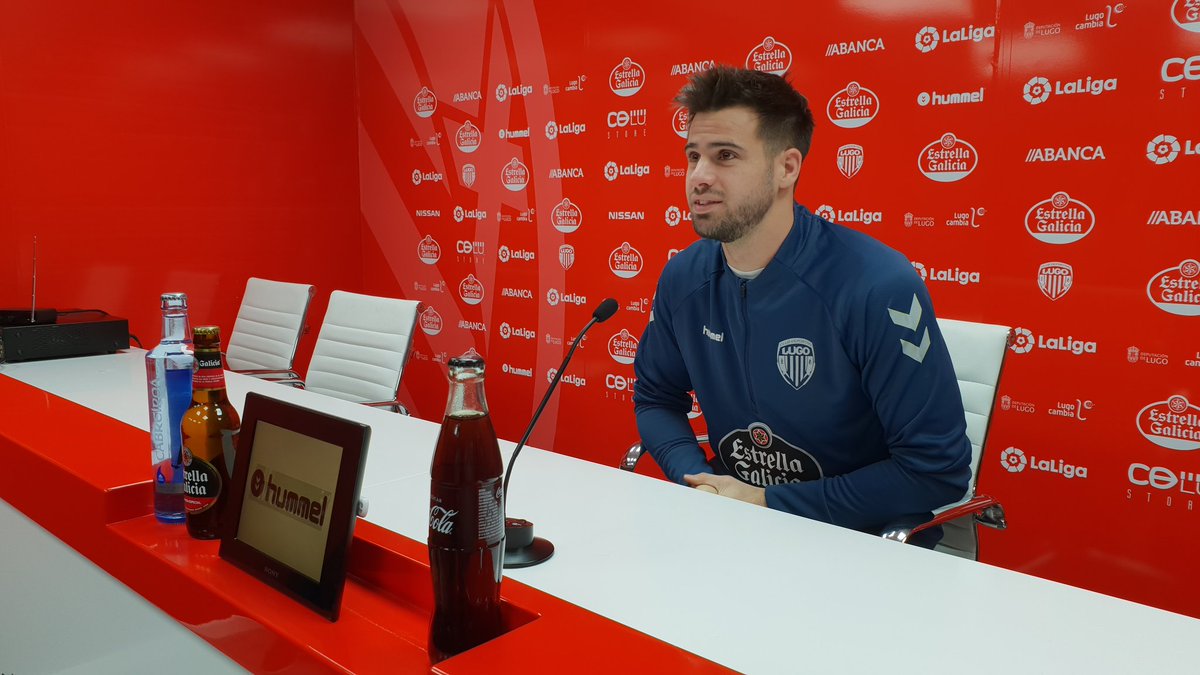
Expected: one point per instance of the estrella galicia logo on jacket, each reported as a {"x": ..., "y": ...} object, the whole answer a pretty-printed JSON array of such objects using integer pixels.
[
  {"x": 796, "y": 360},
  {"x": 759, "y": 457}
]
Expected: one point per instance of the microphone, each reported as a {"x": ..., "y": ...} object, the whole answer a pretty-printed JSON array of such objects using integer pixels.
[{"x": 521, "y": 548}]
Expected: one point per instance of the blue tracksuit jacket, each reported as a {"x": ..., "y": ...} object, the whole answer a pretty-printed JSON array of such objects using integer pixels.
[{"x": 823, "y": 380}]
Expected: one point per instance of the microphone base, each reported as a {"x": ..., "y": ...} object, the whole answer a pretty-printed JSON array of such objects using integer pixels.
[{"x": 521, "y": 548}]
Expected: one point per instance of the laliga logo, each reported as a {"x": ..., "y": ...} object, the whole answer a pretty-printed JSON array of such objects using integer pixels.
[
  {"x": 1176, "y": 290},
  {"x": 425, "y": 103},
  {"x": 627, "y": 78},
  {"x": 927, "y": 39},
  {"x": 431, "y": 321},
  {"x": 625, "y": 261},
  {"x": 566, "y": 216},
  {"x": 852, "y": 107},
  {"x": 1060, "y": 219},
  {"x": 471, "y": 290},
  {"x": 1165, "y": 148},
  {"x": 1186, "y": 15},
  {"x": 551, "y": 130},
  {"x": 770, "y": 56},
  {"x": 1173, "y": 424},
  {"x": 610, "y": 171},
  {"x": 428, "y": 250},
  {"x": 514, "y": 176},
  {"x": 416, "y": 177},
  {"x": 948, "y": 159},
  {"x": 622, "y": 347},
  {"x": 467, "y": 139},
  {"x": 1014, "y": 461},
  {"x": 573, "y": 380},
  {"x": 1037, "y": 90},
  {"x": 1022, "y": 341},
  {"x": 679, "y": 122},
  {"x": 676, "y": 215}
]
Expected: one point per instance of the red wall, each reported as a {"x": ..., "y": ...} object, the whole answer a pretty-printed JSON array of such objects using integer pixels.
[
  {"x": 157, "y": 146},
  {"x": 1105, "y": 497}
]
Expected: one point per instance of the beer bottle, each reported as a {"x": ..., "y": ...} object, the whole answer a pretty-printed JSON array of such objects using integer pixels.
[
  {"x": 210, "y": 428},
  {"x": 466, "y": 518}
]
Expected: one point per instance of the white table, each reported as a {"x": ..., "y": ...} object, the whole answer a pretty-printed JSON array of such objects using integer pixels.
[{"x": 756, "y": 590}]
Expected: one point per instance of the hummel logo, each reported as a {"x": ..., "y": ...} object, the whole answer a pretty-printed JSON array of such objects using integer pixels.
[
  {"x": 715, "y": 337},
  {"x": 912, "y": 321}
]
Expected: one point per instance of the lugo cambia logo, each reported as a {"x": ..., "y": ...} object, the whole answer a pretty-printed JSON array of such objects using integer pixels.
[
  {"x": 1060, "y": 219},
  {"x": 948, "y": 159},
  {"x": 1173, "y": 424},
  {"x": 1176, "y": 290}
]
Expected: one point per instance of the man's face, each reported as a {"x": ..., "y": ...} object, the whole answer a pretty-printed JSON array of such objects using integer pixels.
[{"x": 730, "y": 178}]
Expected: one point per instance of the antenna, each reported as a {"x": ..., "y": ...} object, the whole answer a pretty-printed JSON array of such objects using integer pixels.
[{"x": 33, "y": 307}]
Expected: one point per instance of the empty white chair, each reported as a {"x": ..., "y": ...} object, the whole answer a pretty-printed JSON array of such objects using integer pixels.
[
  {"x": 269, "y": 324},
  {"x": 362, "y": 348}
]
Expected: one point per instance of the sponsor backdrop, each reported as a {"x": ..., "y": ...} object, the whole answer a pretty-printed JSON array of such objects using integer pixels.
[{"x": 1037, "y": 162}]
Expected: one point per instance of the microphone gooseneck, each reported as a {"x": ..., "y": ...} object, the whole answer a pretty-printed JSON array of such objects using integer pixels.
[{"x": 522, "y": 549}]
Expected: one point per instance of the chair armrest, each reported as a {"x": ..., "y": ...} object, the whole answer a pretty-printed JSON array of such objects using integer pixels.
[
  {"x": 986, "y": 510},
  {"x": 396, "y": 406},
  {"x": 632, "y": 455},
  {"x": 288, "y": 377}
]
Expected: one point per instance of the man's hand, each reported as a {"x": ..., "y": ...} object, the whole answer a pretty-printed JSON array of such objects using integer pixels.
[{"x": 727, "y": 486}]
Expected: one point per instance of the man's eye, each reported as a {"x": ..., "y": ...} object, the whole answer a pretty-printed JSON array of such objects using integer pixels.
[{"x": 726, "y": 155}]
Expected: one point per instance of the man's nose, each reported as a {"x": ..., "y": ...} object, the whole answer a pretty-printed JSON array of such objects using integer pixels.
[{"x": 700, "y": 175}]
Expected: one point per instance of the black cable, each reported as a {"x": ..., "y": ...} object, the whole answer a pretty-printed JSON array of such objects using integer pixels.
[{"x": 135, "y": 339}]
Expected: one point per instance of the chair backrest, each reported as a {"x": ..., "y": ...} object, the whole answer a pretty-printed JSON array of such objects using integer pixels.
[
  {"x": 362, "y": 347},
  {"x": 269, "y": 324},
  {"x": 977, "y": 351}
]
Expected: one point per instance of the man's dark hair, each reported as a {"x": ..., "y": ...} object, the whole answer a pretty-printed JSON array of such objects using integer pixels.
[{"x": 784, "y": 120}]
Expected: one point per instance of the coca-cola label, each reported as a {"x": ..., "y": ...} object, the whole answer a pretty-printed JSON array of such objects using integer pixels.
[
  {"x": 466, "y": 516},
  {"x": 425, "y": 103},
  {"x": 467, "y": 139},
  {"x": 428, "y": 250},
  {"x": 623, "y": 347},
  {"x": 770, "y": 56},
  {"x": 431, "y": 321},
  {"x": 627, "y": 78},
  {"x": 514, "y": 175},
  {"x": 566, "y": 216},
  {"x": 201, "y": 484}
]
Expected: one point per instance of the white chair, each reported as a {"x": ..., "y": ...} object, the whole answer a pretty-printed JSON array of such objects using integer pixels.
[
  {"x": 977, "y": 351},
  {"x": 362, "y": 348},
  {"x": 269, "y": 324}
]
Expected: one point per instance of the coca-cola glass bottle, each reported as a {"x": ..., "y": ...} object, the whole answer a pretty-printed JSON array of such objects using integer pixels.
[{"x": 466, "y": 518}]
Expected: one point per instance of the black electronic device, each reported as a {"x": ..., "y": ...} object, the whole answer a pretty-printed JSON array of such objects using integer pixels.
[
  {"x": 71, "y": 334},
  {"x": 293, "y": 499},
  {"x": 27, "y": 317},
  {"x": 521, "y": 548}
]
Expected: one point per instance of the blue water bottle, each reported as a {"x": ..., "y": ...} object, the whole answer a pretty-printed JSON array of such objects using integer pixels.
[{"x": 169, "y": 384}]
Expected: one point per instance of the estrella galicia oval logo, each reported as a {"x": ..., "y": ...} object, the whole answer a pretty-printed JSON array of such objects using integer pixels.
[
  {"x": 1176, "y": 290},
  {"x": 759, "y": 457},
  {"x": 796, "y": 360},
  {"x": 627, "y": 78},
  {"x": 1173, "y": 424},
  {"x": 424, "y": 103},
  {"x": 1186, "y": 15},
  {"x": 948, "y": 159}
]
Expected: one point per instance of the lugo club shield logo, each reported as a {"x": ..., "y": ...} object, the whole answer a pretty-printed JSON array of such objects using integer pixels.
[{"x": 796, "y": 360}]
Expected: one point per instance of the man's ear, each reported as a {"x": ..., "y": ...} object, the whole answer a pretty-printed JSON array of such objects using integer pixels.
[{"x": 790, "y": 161}]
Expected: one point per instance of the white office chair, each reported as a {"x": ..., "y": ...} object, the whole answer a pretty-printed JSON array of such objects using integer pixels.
[
  {"x": 362, "y": 348},
  {"x": 269, "y": 324},
  {"x": 977, "y": 351}
]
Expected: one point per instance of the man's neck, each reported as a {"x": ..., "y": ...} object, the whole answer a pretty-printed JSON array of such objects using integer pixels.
[{"x": 754, "y": 250}]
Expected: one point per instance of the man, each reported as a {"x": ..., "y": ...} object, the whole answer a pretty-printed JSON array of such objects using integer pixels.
[{"x": 812, "y": 348}]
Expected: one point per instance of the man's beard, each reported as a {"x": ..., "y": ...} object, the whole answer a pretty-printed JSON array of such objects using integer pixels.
[{"x": 737, "y": 221}]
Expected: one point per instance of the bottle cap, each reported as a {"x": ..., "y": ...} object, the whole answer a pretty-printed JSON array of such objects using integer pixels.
[
  {"x": 467, "y": 366},
  {"x": 174, "y": 301},
  {"x": 206, "y": 336}
]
